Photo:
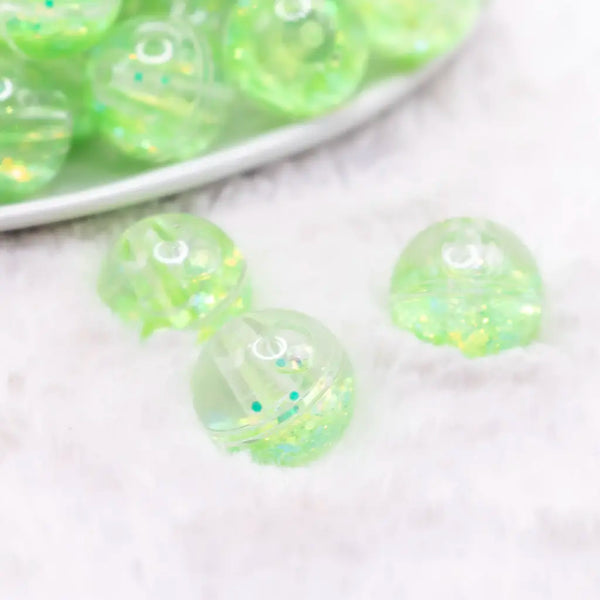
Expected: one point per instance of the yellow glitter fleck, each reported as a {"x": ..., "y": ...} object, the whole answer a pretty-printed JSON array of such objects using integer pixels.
[
  {"x": 476, "y": 341},
  {"x": 231, "y": 261},
  {"x": 18, "y": 172},
  {"x": 455, "y": 337}
]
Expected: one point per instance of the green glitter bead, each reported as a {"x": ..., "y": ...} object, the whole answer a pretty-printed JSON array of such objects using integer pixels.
[
  {"x": 43, "y": 29},
  {"x": 157, "y": 95},
  {"x": 277, "y": 384},
  {"x": 35, "y": 129},
  {"x": 300, "y": 57},
  {"x": 175, "y": 271},
  {"x": 413, "y": 32},
  {"x": 468, "y": 283}
]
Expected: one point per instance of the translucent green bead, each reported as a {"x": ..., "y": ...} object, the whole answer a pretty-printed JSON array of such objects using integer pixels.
[
  {"x": 298, "y": 56},
  {"x": 44, "y": 29},
  {"x": 413, "y": 32},
  {"x": 156, "y": 92},
  {"x": 35, "y": 129},
  {"x": 468, "y": 283},
  {"x": 175, "y": 271},
  {"x": 277, "y": 384}
]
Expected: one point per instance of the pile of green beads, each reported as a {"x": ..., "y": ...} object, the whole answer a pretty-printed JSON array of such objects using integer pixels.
[
  {"x": 175, "y": 271},
  {"x": 276, "y": 384},
  {"x": 162, "y": 81},
  {"x": 468, "y": 283}
]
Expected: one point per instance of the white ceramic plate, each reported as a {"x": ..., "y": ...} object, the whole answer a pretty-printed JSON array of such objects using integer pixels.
[{"x": 89, "y": 185}]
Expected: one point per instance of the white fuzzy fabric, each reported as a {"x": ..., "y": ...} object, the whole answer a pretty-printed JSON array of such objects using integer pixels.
[{"x": 457, "y": 479}]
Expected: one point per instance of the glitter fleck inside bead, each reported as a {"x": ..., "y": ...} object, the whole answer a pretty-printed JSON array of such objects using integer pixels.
[
  {"x": 413, "y": 32},
  {"x": 276, "y": 384},
  {"x": 43, "y": 29},
  {"x": 468, "y": 283},
  {"x": 299, "y": 57},
  {"x": 175, "y": 271},
  {"x": 35, "y": 129}
]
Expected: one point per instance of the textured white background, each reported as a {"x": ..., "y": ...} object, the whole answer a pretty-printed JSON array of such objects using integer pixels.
[{"x": 457, "y": 479}]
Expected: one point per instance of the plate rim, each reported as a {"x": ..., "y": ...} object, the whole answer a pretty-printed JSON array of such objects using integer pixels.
[{"x": 239, "y": 158}]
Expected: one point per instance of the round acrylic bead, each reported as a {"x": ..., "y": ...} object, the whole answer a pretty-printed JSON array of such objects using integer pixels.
[
  {"x": 35, "y": 129},
  {"x": 156, "y": 92},
  {"x": 277, "y": 384},
  {"x": 175, "y": 271},
  {"x": 468, "y": 283},
  {"x": 301, "y": 57},
  {"x": 43, "y": 29},
  {"x": 413, "y": 32}
]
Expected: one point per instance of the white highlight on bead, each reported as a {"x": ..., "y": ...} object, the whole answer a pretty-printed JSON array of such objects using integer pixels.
[
  {"x": 7, "y": 89},
  {"x": 472, "y": 256},
  {"x": 155, "y": 59},
  {"x": 267, "y": 348},
  {"x": 293, "y": 10},
  {"x": 171, "y": 253}
]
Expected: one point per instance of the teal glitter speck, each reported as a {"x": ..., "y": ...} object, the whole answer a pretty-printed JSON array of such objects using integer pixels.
[
  {"x": 256, "y": 406},
  {"x": 280, "y": 362},
  {"x": 294, "y": 396},
  {"x": 49, "y": 3},
  {"x": 139, "y": 76}
]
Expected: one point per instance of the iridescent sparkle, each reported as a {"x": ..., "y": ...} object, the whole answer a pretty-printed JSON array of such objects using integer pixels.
[
  {"x": 468, "y": 283},
  {"x": 175, "y": 271},
  {"x": 243, "y": 397}
]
